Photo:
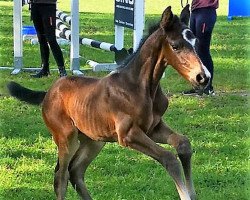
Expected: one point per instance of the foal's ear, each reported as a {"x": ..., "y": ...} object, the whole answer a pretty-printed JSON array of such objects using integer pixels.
[
  {"x": 185, "y": 15},
  {"x": 166, "y": 19}
]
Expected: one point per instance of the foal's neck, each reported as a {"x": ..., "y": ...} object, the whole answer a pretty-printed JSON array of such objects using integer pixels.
[{"x": 148, "y": 64}]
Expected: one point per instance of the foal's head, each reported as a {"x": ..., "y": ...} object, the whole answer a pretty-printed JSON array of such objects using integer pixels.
[{"x": 178, "y": 48}]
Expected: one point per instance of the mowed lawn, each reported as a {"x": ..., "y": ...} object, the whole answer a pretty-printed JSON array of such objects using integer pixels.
[{"x": 218, "y": 127}]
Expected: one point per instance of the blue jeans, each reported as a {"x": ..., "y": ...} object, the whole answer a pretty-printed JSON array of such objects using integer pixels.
[{"x": 202, "y": 22}]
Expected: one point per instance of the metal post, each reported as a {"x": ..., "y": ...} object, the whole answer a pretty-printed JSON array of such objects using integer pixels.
[
  {"x": 74, "y": 48},
  {"x": 17, "y": 31},
  {"x": 138, "y": 23},
  {"x": 119, "y": 37}
]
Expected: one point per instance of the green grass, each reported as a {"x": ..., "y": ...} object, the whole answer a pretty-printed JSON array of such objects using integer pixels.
[{"x": 217, "y": 126}]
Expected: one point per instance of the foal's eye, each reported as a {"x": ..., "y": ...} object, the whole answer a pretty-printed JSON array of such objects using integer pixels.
[{"x": 175, "y": 47}]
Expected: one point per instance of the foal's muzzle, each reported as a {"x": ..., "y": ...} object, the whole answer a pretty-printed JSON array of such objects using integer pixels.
[{"x": 202, "y": 81}]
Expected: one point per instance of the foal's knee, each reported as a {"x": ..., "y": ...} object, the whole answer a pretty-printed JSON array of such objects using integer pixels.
[
  {"x": 184, "y": 149},
  {"x": 171, "y": 163}
]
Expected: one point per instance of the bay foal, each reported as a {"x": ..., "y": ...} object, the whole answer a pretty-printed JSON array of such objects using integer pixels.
[{"x": 126, "y": 107}]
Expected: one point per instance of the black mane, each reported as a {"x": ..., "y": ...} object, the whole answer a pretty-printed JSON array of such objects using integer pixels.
[{"x": 151, "y": 29}]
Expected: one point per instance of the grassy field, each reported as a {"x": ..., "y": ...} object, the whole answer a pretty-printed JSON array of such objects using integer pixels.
[{"x": 217, "y": 126}]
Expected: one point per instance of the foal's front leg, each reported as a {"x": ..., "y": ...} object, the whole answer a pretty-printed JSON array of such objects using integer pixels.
[
  {"x": 132, "y": 136},
  {"x": 164, "y": 135}
]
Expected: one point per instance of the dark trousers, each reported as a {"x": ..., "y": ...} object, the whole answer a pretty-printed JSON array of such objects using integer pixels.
[
  {"x": 202, "y": 22},
  {"x": 44, "y": 19}
]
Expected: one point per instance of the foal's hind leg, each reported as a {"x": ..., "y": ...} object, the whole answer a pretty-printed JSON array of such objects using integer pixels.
[
  {"x": 66, "y": 138},
  {"x": 86, "y": 153},
  {"x": 66, "y": 150},
  {"x": 163, "y": 134}
]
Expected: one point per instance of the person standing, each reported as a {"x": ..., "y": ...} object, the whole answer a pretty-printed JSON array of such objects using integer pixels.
[
  {"x": 202, "y": 21},
  {"x": 43, "y": 15}
]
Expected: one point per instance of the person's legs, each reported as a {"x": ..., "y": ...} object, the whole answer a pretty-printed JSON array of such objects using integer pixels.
[
  {"x": 49, "y": 24},
  {"x": 44, "y": 47},
  {"x": 205, "y": 19},
  {"x": 193, "y": 23},
  {"x": 201, "y": 24}
]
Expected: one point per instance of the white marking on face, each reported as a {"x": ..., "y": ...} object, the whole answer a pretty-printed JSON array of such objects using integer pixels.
[
  {"x": 207, "y": 73},
  {"x": 191, "y": 41},
  {"x": 187, "y": 35},
  {"x": 190, "y": 38}
]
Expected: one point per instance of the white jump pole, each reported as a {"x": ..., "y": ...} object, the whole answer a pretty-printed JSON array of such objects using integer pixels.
[
  {"x": 74, "y": 44},
  {"x": 138, "y": 23},
  {"x": 119, "y": 37},
  {"x": 17, "y": 31}
]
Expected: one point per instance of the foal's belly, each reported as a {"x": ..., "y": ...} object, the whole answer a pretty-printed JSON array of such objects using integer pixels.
[
  {"x": 104, "y": 129},
  {"x": 96, "y": 127}
]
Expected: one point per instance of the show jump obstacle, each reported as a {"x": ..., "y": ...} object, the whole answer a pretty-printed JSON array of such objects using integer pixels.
[
  {"x": 63, "y": 31},
  {"x": 128, "y": 13}
]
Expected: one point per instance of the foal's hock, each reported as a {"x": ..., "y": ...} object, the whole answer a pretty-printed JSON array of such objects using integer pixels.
[{"x": 126, "y": 107}]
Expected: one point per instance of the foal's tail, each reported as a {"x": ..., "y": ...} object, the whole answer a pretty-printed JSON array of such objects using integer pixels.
[{"x": 25, "y": 94}]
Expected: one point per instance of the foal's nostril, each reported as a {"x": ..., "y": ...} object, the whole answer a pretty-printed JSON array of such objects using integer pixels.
[{"x": 202, "y": 79}]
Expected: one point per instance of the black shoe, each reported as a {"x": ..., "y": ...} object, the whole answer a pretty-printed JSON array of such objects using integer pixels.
[
  {"x": 190, "y": 92},
  {"x": 62, "y": 72},
  {"x": 209, "y": 92},
  {"x": 40, "y": 74}
]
